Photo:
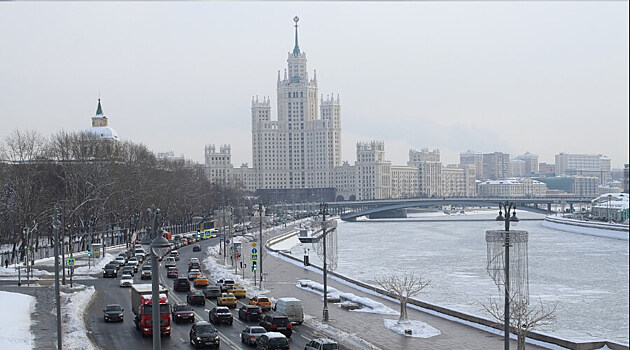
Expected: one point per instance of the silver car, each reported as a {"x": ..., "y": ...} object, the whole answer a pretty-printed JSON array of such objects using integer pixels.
[{"x": 251, "y": 333}]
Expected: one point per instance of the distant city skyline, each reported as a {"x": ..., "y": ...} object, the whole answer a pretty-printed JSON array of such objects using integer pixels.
[{"x": 512, "y": 77}]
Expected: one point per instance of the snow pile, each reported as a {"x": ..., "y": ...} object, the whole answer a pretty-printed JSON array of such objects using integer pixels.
[
  {"x": 74, "y": 305},
  {"x": 97, "y": 267},
  {"x": 13, "y": 272},
  {"x": 418, "y": 329},
  {"x": 352, "y": 340},
  {"x": 16, "y": 329},
  {"x": 367, "y": 305}
]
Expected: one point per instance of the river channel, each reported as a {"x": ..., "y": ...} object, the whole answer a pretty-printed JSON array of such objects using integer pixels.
[{"x": 586, "y": 276}]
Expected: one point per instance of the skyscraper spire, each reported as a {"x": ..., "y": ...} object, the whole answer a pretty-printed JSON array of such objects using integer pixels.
[
  {"x": 99, "y": 110},
  {"x": 296, "y": 48}
]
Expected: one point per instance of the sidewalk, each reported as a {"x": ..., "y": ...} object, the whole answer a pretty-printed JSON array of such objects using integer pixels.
[{"x": 283, "y": 276}]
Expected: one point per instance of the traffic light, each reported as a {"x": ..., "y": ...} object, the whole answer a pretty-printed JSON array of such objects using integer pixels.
[
  {"x": 89, "y": 253},
  {"x": 254, "y": 266},
  {"x": 198, "y": 233}
]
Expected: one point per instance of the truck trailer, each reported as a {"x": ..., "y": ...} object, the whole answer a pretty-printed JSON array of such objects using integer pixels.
[{"x": 141, "y": 305}]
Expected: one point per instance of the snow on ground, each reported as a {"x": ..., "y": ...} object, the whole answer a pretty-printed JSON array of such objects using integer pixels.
[
  {"x": 344, "y": 337},
  {"x": 418, "y": 329},
  {"x": 73, "y": 308},
  {"x": 368, "y": 305},
  {"x": 11, "y": 273},
  {"x": 16, "y": 329},
  {"x": 96, "y": 267}
]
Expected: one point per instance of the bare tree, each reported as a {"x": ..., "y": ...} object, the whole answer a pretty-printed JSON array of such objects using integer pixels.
[
  {"x": 403, "y": 286},
  {"x": 524, "y": 317}
]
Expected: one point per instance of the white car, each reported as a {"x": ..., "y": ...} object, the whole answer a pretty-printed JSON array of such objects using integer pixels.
[{"x": 126, "y": 281}]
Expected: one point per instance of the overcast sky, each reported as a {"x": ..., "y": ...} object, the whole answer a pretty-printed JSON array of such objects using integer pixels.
[{"x": 514, "y": 77}]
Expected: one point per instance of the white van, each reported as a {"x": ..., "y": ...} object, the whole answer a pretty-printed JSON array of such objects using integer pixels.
[{"x": 292, "y": 307}]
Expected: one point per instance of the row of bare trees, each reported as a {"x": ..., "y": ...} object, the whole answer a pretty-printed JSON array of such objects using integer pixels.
[{"x": 97, "y": 184}]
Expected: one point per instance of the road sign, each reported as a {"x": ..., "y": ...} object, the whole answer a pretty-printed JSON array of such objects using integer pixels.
[
  {"x": 254, "y": 257},
  {"x": 207, "y": 233},
  {"x": 253, "y": 244},
  {"x": 70, "y": 262},
  {"x": 254, "y": 250}
]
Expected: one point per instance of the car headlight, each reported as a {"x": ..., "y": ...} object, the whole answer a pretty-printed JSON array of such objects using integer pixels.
[
  {"x": 216, "y": 337},
  {"x": 198, "y": 338}
]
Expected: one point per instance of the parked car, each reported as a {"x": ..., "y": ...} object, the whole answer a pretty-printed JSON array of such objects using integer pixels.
[
  {"x": 181, "y": 284},
  {"x": 193, "y": 274},
  {"x": 211, "y": 291},
  {"x": 182, "y": 313},
  {"x": 322, "y": 344},
  {"x": 225, "y": 284},
  {"x": 277, "y": 323},
  {"x": 126, "y": 281},
  {"x": 250, "y": 313},
  {"x": 110, "y": 270},
  {"x": 262, "y": 301},
  {"x": 196, "y": 248},
  {"x": 146, "y": 272},
  {"x": 204, "y": 334},
  {"x": 226, "y": 299},
  {"x": 220, "y": 314},
  {"x": 238, "y": 291},
  {"x": 195, "y": 297},
  {"x": 113, "y": 312},
  {"x": 251, "y": 333},
  {"x": 201, "y": 281},
  {"x": 170, "y": 262},
  {"x": 172, "y": 272},
  {"x": 272, "y": 341}
]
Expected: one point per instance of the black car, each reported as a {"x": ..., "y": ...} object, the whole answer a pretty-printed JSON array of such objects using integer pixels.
[
  {"x": 250, "y": 313},
  {"x": 212, "y": 291},
  {"x": 196, "y": 297},
  {"x": 128, "y": 270},
  {"x": 272, "y": 341},
  {"x": 203, "y": 334},
  {"x": 181, "y": 284},
  {"x": 110, "y": 270},
  {"x": 220, "y": 314},
  {"x": 183, "y": 313},
  {"x": 196, "y": 248},
  {"x": 277, "y": 323},
  {"x": 113, "y": 312}
]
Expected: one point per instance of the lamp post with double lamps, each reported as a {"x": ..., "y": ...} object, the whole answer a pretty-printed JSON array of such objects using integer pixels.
[
  {"x": 156, "y": 245},
  {"x": 507, "y": 207}
]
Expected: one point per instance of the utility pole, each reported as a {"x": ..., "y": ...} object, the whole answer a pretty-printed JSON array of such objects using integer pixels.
[
  {"x": 63, "y": 249},
  {"x": 262, "y": 245},
  {"x": 56, "y": 223},
  {"x": 324, "y": 207}
]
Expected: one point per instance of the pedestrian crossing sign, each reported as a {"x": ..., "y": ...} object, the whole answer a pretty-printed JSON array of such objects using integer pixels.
[
  {"x": 254, "y": 257},
  {"x": 70, "y": 262}
]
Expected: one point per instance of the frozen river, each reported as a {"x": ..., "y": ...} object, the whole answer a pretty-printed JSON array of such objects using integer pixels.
[{"x": 586, "y": 276}]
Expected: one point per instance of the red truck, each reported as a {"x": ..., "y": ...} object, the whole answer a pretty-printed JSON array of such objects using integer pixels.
[{"x": 141, "y": 304}]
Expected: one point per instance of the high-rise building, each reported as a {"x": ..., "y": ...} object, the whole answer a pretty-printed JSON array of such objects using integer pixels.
[
  {"x": 300, "y": 149},
  {"x": 583, "y": 165},
  {"x": 475, "y": 159},
  {"x": 530, "y": 162},
  {"x": 496, "y": 166}
]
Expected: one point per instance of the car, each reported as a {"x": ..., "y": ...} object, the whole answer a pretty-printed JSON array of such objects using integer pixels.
[
  {"x": 115, "y": 262},
  {"x": 134, "y": 264},
  {"x": 272, "y": 341},
  {"x": 126, "y": 281},
  {"x": 146, "y": 272},
  {"x": 128, "y": 270},
  {"x": 238, "y": 291},
  {"x": 170, "y": 262},
  {"x": 262, "y": 301},
  {"x": 194, "y": 266},
  {"x": 110, "y": 270},
  {"x": 201, "y": 281},
  {"x": 220, "y": 314},
  {"x": 181, "y": 284},
  {"x": 193, "y": 274},
  {"x": 322, "y": 344},
  {"x": 182, "y": 313},
  {"x": 175, "y": 254},
  {"x": 250, "y": 334},
  {"x": 196, "y": 248},
  {"x": 226, "y": 299},
  {"x": 195, "y": 297},
  {"x": 203, "y": 334},
  {"x": 120, "y": 260},
  {"x": 225, "y": 284},
  {"x": 277, "y": 323},
  {"x": 211, "y": 291},
  {"x": 113, "y": 312},
  {"x": 172, "y": 272},
  {"x": 250, "y": 313}
]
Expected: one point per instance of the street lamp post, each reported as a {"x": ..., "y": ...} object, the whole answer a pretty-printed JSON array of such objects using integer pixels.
[
  {"x": 324, "y": 208},
  {"x": 154, "y": 244},
  {"x": 609, "y": 199},
  {"x": 56, "y": 224},
  {"x": 507, "y": 207}
]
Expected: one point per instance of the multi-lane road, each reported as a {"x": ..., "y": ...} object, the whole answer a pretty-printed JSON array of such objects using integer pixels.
[{"x": 125, "y": 336}]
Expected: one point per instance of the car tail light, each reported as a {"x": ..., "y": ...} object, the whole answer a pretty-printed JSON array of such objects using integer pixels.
[
  {"x": 272, "y": 326},
  {"x": 290, "y": 325},
  {"x": 252, "y": 337}
]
